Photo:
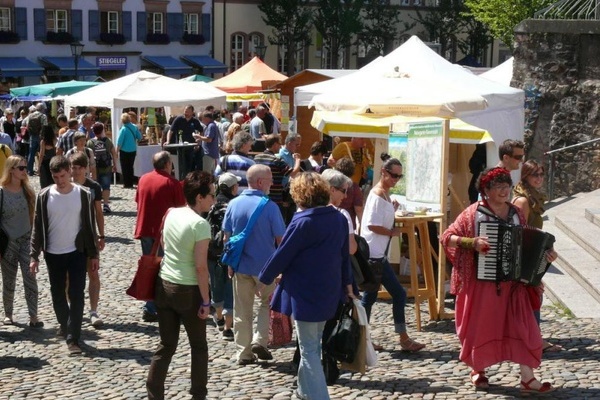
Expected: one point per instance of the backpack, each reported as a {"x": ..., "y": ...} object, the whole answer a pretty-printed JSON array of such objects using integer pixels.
[
  {"x": 215, "y": 219},
  {"x": 34, "y": 124},
  {"x": 101, "y": 153}
]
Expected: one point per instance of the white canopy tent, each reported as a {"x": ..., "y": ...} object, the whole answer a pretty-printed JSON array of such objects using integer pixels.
[
  {"x": 145, "y": 89},
  {"x": 431, "y": 76},
  {"x": 502, "y": 74}
]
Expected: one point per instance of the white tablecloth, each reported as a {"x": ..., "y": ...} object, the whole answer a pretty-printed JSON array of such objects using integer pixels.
[{"x": 143, "y": 159}]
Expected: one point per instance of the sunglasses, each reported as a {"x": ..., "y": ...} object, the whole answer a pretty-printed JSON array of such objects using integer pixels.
[
  {"x": 21, "y": 167},
  {"x": 343, "y": 190},
  {"x": 518, "y": 157},
  {"x": 394, "y": 176}
]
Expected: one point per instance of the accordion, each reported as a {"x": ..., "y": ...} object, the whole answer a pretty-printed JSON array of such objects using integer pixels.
[{"x": 517, "y": 253}]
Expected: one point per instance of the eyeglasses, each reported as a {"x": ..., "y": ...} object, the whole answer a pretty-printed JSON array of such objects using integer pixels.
[
  {"x": 21, "y": 167},
  {"x": 343, "y": 190},
  {"x": 518, "y": 156},
  {"x": 394, "y": 176},
  {"x": 538, "y": 175},
  {"x": 500, "y": 186}
]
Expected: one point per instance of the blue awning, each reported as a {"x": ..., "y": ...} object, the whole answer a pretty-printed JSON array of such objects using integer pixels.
[
  {"x": 19, "y": 66},
  {"x": 170, "y": 65},
  {"x": 66, "y": 66},
  {"x": 207, "y": 64}
]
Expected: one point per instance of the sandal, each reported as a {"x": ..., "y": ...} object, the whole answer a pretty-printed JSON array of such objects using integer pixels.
[
  {"x": 546, "y": 387},
  {"x": 551, "y": 348},
  {"x": 7, "y": 321},
  {"x": 411, "y": 345},
  {"x": 479, "y": 380}
]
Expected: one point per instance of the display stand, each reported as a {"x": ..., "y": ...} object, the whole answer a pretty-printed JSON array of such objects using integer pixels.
[
  {"x": 180, "y": 149},
  {"x": 411, "y": 225}
]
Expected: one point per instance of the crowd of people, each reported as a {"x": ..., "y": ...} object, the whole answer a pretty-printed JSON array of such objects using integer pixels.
[{"x": 295, "y": 261}]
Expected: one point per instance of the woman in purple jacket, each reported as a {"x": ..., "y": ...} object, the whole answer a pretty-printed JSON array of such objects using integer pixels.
[{"x": 313, "y": 260}]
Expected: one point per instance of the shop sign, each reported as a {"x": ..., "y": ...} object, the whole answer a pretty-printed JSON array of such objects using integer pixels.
[{"x": 108, "y": 62}]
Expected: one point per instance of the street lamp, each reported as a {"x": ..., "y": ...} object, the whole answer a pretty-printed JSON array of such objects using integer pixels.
[
  {"x": 260, "y": 50},
  {"x": 76, "y": 50}
]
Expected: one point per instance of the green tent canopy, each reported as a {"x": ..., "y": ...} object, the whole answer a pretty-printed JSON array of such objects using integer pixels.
[
  {"x": 52, "y": 89},
  {"x": 197, "y": 78}
]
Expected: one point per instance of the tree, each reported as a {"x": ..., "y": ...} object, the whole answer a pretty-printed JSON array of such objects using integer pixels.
[
  {"x": 381, "y": 26},
  {"x": 338, "y": 22},
  {"x": 501, "y": 16},
  {"x": 291, "y": 21},
  {"x": 478, "y": 39},
  {"x": 444, "y": 24}
]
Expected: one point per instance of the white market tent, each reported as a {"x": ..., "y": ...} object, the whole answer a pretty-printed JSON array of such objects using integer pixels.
[
  {"x": 501, "y": 74},
  {"x": 145, "y": 89},
  {"x": 372, "y": 85}
]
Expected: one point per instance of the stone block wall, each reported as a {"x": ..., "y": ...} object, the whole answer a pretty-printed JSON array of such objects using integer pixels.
[{"x": 557, "y": 64}]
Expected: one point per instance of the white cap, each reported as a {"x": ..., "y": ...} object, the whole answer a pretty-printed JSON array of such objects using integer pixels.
[{"x": 228, "y": 179}]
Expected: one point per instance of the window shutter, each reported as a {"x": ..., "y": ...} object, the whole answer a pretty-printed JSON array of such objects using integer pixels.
[
  {"x": 39, "y": 24},
  {"x": 142, "y": 31},
  {"x": 126, "y": 16},
  {"x": 206, "y": 29},
  {"x": 94, "y": 25},
  {"x": 77, "y": 24},
  {"x": 175, "y": 26},
  {"x": 21, "y": 22}
]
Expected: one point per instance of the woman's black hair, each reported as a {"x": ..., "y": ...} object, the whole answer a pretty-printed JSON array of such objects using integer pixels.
[
  {"x": 389, "y": 161},
  {"x": 48, "y": 135},
  {"x": 197, "y": 183}
]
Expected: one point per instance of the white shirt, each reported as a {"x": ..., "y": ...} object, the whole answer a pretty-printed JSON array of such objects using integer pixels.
[
  {"x": 377, "y": 212},
  {"x": 64, "y": 220}
]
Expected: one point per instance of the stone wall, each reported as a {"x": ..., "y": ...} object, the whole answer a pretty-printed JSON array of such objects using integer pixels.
[{"x": 557, "y": 63}]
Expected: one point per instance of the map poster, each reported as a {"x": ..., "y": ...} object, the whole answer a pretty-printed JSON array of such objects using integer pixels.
[
  {"x": 424, "y": 166},
  {"x": 398, "y": 148}
]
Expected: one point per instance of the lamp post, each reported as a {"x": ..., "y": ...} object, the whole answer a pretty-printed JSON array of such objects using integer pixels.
[
  {"x": 76, "y": 50},
  {"x": 260, "y": 50}
]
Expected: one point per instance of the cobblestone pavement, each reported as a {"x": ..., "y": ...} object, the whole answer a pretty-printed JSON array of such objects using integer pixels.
[{"x": 35, "y": 364}]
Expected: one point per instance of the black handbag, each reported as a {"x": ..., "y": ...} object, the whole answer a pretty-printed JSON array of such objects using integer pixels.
[
  {"x": 343, "y": 341},
  {"x": 3, "y": 235},
  {"x": 371, "y": 269}
]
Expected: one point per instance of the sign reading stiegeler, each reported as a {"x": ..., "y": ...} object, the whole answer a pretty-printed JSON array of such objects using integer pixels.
[{"x": 108, "y": 62}]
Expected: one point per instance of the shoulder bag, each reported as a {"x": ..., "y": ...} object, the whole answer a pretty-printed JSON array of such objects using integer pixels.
[
  {"x": 232, "y": 250},
  {"x": 144, "y": 282},
  {"x": 3, "y": 235},
  {"x": 344, "y": 340},
  {"x": 372, "y": 272}
]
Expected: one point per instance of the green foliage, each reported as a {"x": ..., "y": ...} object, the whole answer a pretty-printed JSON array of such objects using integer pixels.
[
  {"x": 381, "y": 25},
  {"x": 291, "y": 21},
  {"x": 501, "y": 16},
  {"x": 338, "y": 22}
]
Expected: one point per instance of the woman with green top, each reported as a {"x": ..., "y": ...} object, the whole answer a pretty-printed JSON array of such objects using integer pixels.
[
  {"x": 129, "y": 135},
  {"x": 182, "y": 295},
  {"x": 528, "y": 197},
  {"x": 17, "y": 204}
]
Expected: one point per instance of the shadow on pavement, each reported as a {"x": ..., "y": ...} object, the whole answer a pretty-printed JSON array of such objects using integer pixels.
[
  {"x": 141, "y": 356},
  {"x": 133, "y": 327},
  {"x": 22, "y": 363},
  {"x": 130, "y": 214}
]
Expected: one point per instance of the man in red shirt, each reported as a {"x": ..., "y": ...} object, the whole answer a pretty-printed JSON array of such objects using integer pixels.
[{"x": 157, "y": 191}]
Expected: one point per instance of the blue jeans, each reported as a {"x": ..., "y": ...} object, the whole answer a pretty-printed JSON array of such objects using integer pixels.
[
  {"x": 147, "y": 243},
  {"x": 34, "y": 147},
  {"x": 69, "y": 316},
  {"x": 395, "y": 289},
  {"x": 221, "y": 288},
  {"x": 311, "y": 378}
]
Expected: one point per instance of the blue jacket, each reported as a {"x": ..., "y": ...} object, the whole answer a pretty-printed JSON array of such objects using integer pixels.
[{"x": 314, "y": 261}]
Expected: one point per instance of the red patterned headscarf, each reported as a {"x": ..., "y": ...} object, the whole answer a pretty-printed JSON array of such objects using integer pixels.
[{"x": 492, "y": 176}]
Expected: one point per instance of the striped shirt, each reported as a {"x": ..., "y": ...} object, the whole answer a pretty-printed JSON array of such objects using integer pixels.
[
  {"x": 236, "y": 163},
  {"x": 279, "y": 169}
]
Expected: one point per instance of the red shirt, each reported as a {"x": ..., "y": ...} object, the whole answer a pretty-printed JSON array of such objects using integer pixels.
[{"x": 156, "y": 193}]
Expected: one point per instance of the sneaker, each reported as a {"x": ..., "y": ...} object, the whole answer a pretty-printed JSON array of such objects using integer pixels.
[
  {"x": 261, "y": 352},
  {"x": 149, "y": 317},
  {"x": 96, "y": 320},
  {"x": 243, "y": 361},
  {"x": 106, "y": 209},
  {"x": 74, "y": 348},
  {"x": 219, "y": 323},
  {"x": 228, "y": 335}
]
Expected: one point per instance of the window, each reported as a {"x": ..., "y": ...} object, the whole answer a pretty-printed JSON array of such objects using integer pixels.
[
  {"x": 282, "y": 60},
  {"x": 155, "y": 22},
  {"x": 112, "y": 22},
  {"x": 254, "y": 40},
  {"x": 237, "y": 50},
  {"x": 5, "y": 20},
  {"x": 57, "y": 21},
  {"x": 190, "y": 24}
]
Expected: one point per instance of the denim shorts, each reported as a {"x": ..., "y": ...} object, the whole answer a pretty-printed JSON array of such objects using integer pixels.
[{"x": 104, "y": 180}]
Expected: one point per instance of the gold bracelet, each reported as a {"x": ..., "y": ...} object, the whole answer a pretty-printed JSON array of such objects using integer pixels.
[{"x": 466, "y": 243}]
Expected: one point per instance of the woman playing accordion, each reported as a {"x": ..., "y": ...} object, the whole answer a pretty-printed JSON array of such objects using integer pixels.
[{"x": 494, "y": 320}]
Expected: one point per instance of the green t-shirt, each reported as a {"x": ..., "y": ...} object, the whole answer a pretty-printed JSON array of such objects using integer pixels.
[{"x": 183, "y": 228}]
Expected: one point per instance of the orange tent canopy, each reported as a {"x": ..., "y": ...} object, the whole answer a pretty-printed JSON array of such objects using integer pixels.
[{"x": 248, "y": 78}]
